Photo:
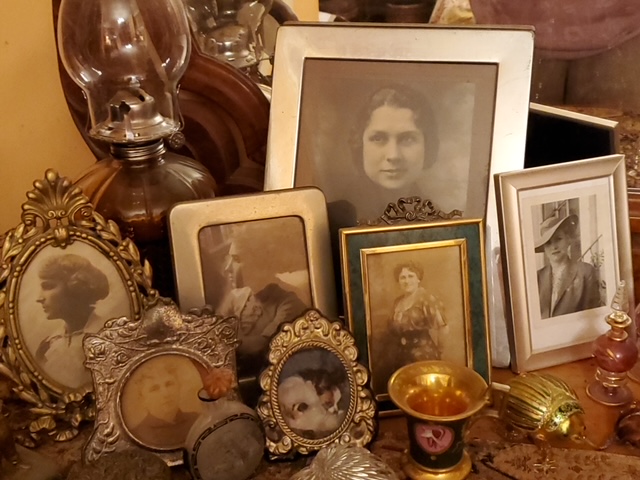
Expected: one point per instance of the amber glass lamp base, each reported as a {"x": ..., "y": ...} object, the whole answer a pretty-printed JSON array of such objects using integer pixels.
[{"x": 135, "y": 187}]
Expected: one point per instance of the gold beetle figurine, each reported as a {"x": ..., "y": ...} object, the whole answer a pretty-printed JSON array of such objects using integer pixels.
[{"x": 544, "y": 407}]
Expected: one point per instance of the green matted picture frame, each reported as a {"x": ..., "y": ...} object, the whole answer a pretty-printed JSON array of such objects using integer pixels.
[{"x": 416, "y": 292}]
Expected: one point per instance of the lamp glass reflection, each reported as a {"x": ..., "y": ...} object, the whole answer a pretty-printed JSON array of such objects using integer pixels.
[{"x": 119, "y": 48}]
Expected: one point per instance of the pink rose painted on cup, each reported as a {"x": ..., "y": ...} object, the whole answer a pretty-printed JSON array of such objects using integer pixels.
[{"x": 434, "y": 439}]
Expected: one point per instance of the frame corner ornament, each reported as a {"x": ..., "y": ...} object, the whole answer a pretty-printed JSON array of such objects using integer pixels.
[{"x": 412, "y": 209}]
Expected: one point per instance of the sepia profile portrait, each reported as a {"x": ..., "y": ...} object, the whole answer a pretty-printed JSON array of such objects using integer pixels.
[
  {"x": 63, "y": 295},
  {"x": 258, "y": 272}
]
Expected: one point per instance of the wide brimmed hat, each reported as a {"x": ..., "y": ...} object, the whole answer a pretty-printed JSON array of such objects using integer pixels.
[{"x": 549, "y": 227}]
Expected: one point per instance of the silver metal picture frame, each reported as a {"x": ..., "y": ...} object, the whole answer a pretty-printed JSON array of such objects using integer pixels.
[
  {"x": 264, "y": 258},
  {"x": 571, "y": 218},
  {"x": 148, "y": 375},
  {"x": 463, "y": 113}
]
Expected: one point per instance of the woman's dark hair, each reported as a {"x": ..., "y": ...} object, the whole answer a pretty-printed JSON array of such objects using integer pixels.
[
  {"x": 79, "y": 275},
  {"x": 398, "y": 96},
  {"x": 411, "y": 266}
]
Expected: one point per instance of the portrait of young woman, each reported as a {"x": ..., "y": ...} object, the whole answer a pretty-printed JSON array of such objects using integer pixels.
[
  {"x": 369, "y": 136},
  {"x": 65, "y": 294}
]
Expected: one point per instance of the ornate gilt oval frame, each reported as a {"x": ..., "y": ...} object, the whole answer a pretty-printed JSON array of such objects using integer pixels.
[
  {"x": 313, "y": 334},
  {"x": 59, "y": 221}
]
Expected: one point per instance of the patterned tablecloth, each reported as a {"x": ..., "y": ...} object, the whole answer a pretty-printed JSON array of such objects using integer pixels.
[{"x": 492, "y": 460}]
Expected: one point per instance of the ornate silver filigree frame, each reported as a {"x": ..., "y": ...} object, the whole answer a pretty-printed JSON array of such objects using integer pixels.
[
  {"x": 57, "y": 220},
  {"x": 313, "y": 334},
  {"x": 124, "y": 345}
]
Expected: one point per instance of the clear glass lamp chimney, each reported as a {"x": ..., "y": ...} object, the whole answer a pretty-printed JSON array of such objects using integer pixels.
[{"x": 127, "y": 56}]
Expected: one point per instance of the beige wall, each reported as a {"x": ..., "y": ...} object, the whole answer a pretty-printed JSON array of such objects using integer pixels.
[
  {"x": 36, "y": 130},
  {"x": 306, "y": 10}
]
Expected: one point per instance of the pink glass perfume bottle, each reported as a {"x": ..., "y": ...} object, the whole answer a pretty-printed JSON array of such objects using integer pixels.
[{"x": 615, "y": 353}]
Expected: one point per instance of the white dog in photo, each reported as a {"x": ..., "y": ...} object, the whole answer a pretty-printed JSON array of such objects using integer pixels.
[{"x": 305, "y": 410}]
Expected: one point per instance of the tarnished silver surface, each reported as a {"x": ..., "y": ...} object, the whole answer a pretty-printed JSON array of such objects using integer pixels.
[{"x": 123, "y": 345}]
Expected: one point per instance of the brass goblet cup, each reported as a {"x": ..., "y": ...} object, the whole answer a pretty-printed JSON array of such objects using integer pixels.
[{"x": 438, "y": 398}]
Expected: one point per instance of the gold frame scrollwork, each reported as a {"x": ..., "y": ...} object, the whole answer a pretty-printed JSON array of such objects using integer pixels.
[
  {"x": 308, "y": 332},
  {"x": 57, "y": 218}
]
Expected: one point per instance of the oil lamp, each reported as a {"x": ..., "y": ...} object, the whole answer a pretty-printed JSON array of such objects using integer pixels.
[
  {"x": 128, "y": 56},
  {"x": 615, "y": 353}
]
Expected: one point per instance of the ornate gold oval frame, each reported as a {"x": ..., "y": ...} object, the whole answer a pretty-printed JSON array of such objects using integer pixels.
[
  {"x": 123, "y": 346},
  {"x": 314, "y": 332},
  {"x": 58, "y": 219}
]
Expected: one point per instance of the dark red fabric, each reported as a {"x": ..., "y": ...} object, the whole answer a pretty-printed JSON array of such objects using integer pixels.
[{"x": 566, "y": 28}]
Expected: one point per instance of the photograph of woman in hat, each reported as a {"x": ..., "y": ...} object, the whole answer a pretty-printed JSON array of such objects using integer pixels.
[{"x": 566, "y": 284}]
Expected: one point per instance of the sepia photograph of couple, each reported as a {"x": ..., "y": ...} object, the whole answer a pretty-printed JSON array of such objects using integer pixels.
[{"x": 262, "y": 284}]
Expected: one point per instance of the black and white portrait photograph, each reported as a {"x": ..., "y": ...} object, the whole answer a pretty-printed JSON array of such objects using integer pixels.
[
  {"x": 568, "y": 268},
  {"x": 565, "y": 234},
  {"x": 257, "y": 271},
  {"x": 418, "y": 307},
  {"x": 373, "y": 132},
  {"x": 313, "y": 393},
  {"x": 569, "y": 263},
  {"x": 65, "y": 294},
  {"x": 159, "y": 401}
]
